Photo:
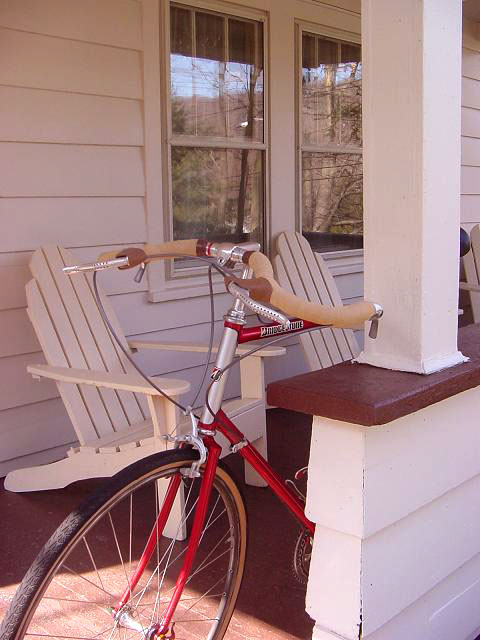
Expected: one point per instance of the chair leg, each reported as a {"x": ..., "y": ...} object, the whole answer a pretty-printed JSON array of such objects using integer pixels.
[
  {"x": 252, "y": 381},
  {"x": 251, "y": 476},
  {"x": 165, "y": 417},
  {"x": 176, "y": 527}
]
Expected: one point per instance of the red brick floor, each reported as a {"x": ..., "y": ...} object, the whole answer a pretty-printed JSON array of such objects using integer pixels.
[{"x": 271, "y": 602}]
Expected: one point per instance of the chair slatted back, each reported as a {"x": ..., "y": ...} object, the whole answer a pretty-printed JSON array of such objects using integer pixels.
[
  {"x": 471, "y": 263},
  {"x": 306, "y": 274},
  {"x": 72, "y": 333}
]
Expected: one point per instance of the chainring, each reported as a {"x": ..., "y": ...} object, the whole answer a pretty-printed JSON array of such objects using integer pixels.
[{"x": 302, "y": 555}]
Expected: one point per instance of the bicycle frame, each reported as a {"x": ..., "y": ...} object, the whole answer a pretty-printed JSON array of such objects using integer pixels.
[{"x": 212, "y": 421}]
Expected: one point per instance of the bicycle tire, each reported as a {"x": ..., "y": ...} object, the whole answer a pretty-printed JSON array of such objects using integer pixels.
[{"x": 66, "y": 544}]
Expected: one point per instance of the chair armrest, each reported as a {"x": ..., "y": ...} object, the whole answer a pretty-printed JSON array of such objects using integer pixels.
[
  {"x": 122, "y": 381},
  {"x": 193, "y": 347},
  {"x": 470, "y": 287}
]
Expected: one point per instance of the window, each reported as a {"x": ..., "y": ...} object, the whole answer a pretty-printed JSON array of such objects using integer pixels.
[
  {"x": 216, "y": 150},
  {"x": 330, "y": 133}
]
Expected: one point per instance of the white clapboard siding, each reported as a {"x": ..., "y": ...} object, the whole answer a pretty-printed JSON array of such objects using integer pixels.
[
  {"x": 70, "y": 170},
  {"x": 139, "y": 317},
  {"x": 471, "y": 151},
  {"x": 34, "y": 427},
  {"x": 350, "y": 285},
  {"x": 111, "y": 22},
  {"x": 33, "y": 115},
  {"x": 43, "y": 62},
  {"x": 12, "y": 290},
  {"x": 16, "y": 333},
  {"x": 75, "y": 221},
  {"x": 18, "y": 387},
  {"x": 471, "y": 122},
  {"x": 470, "y": 182},
  {"x": 470, "y": 93},
  {"x": 470, "y": 208},
  {"x": 471, "y": 64}
]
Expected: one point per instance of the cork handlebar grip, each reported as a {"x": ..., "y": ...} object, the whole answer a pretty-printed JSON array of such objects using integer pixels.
[
  {"x": 265, "y": 288},
  {"x": 167, "y": 249}
]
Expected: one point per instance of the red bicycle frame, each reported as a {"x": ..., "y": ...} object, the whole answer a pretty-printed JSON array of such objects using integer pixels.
[{"x": 239, "y": 444}]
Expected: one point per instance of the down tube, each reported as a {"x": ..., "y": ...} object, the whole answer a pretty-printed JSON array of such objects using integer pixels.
[{"x": 261, "y": 466}]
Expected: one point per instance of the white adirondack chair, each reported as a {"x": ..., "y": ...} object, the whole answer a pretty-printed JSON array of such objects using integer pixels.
[
  {"x": 471, "y": 263},
  {"x": 306, "y": 274},
  {"x": 118, "y": 418}
]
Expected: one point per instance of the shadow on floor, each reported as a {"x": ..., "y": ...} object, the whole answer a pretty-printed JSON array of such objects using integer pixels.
[{"x": 270, "y": 597}]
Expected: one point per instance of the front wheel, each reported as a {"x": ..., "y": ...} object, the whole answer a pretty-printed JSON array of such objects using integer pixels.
[{"x": 75, "y": 583}]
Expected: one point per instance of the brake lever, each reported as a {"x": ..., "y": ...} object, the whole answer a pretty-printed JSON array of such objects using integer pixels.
[
  {"x": 373, "y": 332},
  {"x": 140, "y": 273},
  {"x": 256, "y": 307}
]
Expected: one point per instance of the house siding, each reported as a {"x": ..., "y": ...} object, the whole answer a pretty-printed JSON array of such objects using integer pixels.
[{"x": 71, "y": 139}]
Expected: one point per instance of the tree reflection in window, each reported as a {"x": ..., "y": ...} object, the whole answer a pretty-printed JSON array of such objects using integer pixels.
[{"x": 332, "y": 211}]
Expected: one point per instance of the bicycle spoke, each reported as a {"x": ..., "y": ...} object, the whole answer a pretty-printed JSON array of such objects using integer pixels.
[
  {"x": 93, "y": 561},
  {"x": 131, "y": 533},
  {"x": 118, "y": 549},
  {"x": 87, "y": 580},
  {"x": 183, "y": 522},
  {"x": 172, "y": 543},
  {"x": 205, "y": 595}
]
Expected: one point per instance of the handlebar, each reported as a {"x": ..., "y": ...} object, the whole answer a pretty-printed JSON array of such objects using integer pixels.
[
  {"x": 263, "y": 288},
  {"x": 120, "y": 263}
]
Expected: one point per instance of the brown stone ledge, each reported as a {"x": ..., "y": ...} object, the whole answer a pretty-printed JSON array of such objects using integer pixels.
[{"x": 365, "y": 395}]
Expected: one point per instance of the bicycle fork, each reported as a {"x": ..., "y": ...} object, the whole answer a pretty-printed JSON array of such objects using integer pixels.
[{"x": 160, "y": 629}]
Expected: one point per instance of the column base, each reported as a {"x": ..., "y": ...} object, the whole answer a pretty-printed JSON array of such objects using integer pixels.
[
  {"x": 395, "y": 362},
  {"x": 323, "y": 634}
]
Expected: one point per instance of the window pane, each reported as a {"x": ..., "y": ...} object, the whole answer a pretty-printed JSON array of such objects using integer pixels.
[
  {"x": 332, "y": 200},
  {"x": 216, "y": 76},
  {"x": 217, "y": 194},
  {"x": 331, "y": 91}
]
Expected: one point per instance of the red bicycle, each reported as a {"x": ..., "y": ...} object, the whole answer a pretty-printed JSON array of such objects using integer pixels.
[{"x": 108, "y": 571}]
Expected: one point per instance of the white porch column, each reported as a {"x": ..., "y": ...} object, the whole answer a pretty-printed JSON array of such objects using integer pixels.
[{"x": 411, "y": 139}]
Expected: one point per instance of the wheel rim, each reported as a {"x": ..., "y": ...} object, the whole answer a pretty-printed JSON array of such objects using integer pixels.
[{"x": 76, "y": 599}]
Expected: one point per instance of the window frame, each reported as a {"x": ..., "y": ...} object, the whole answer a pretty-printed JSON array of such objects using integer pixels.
[
  {"x": 301, "y": 27},
  {"x": 178, "y": 278}
]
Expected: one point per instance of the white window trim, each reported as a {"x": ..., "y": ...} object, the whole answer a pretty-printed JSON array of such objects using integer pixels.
[{"x": 302, "y": 26}]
